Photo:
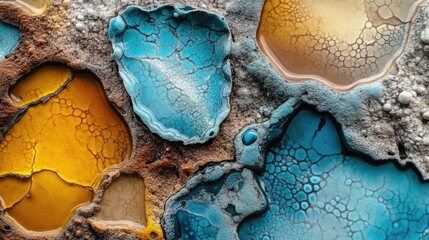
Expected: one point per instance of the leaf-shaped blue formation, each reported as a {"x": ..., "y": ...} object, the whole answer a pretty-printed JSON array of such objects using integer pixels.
[
  {"x": 173, "y": 60},
  {"x": 9, "y": 38},
  {"x": 315, "y": 188}
]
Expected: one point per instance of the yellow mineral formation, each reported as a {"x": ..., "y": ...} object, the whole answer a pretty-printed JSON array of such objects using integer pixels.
[
  {"x": 339, "y": 42},
  {"x": 59, "y": 147},
  {"x": 40, "y": 83}
]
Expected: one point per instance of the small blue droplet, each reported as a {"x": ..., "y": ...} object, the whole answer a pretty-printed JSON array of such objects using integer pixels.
[
  {"x": 280, "y": 93},
  {"x": 249, "y": 137}
]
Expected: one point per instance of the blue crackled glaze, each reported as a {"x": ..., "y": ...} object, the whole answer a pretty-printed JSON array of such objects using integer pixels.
[
  {"x": 9, "y": 38},
  {"x": 173, "y": 60},
  {"x": 314, "y": 187},
  {"x": 316, "y": 190}
]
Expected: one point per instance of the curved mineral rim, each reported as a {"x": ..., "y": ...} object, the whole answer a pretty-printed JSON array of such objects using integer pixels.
[
  {"x": 116, "y": 28},
  {"x": 32, "y": 7},
  {"x": 297, "y": 77}
]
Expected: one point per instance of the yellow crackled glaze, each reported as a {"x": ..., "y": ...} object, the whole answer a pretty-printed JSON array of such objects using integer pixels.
[
  {"x": 339, "y": 42},
  {"x": 48, "y": 204},
  {"x": 75, "y": 135},
  {"x": 39, "y": 83}
]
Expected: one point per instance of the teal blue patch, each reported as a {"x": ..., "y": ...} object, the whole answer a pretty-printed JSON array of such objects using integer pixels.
[
  {"x": 323, "y": 193},
  {"x": 212, "y": 209},
  {"x": 9, "y": 38},
  {"x": 313, "y": 189},
  {"x": 173, "y": 60}
]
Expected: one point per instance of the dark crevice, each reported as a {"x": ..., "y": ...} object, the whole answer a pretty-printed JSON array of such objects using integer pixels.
[
  {"x": 319, "y": 127},
  {"x": 401, "y": 149}
]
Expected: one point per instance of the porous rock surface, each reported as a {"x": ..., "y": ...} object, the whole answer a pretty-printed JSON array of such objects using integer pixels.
[{"x": 75, "y": 32}]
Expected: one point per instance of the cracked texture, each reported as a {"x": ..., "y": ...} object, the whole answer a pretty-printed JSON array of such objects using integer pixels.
[
  {"x": 75, "y": 134},
  {"x": 312, "y": 188},
  {"x": 339, "y": 42},
  {"x": 9, "y": 38},
  {"x": 33, "y": 7},
  {"x": 317, "y": 190},
  {"x": 213, "y": 209},
  {"x": 173, "y": 63},
  {"x": 39, "y": 83},
  {"x": 46, "y": 204}
]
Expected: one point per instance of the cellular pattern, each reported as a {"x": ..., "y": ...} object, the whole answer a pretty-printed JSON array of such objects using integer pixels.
[
  {"x": 173, "y": 60},
  {"x": 340, "y": 42},
  {"x": 67, "y": 140},
  {"x": 316, "y": 190},
  {"x": 312, "y": 187}
]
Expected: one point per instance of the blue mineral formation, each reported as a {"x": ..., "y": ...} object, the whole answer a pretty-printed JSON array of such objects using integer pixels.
[
  {"x": 317, "y": 190},
  {"x": 9, "y": 38},
  {"x": 173, "y": 61},
  {"x": 213, "y": 208},
  {"x": 315, "y": 187}
]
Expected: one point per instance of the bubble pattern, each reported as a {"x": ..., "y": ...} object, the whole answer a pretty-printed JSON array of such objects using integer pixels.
[{"x": 317, "y": 190}]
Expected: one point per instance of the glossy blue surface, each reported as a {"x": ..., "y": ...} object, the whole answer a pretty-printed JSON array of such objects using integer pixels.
[
  {"x": 316, "y": 191},
  {"x": 9, "y": 38},
  {"x": 173, "y": 62},
  {"x": 250, "y": 137},
  {"x": 311, "y": 187}
]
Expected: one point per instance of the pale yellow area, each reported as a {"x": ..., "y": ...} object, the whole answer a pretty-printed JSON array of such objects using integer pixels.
[
  {"x": 12, "y": 190},
  {"x": 50, "y": 202},
  {"x": 331, "y": 13},
  {"x": 339, "y": 42},
  {"x": 39, "y": 83},
  {"x": 124, "y": 199},
  {"x": 125, "y": 206},
  {"x": 71, "y": 138},
  {"x": 33, "y": 7}
]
